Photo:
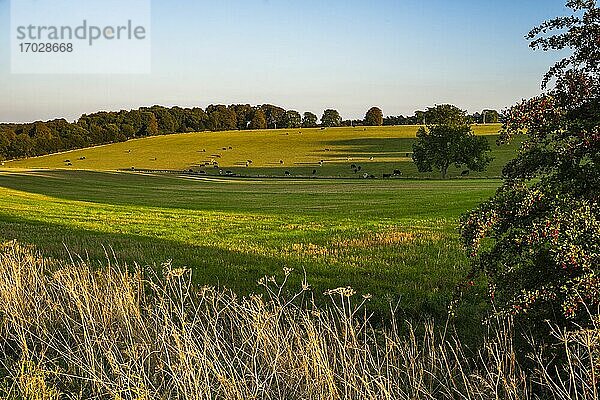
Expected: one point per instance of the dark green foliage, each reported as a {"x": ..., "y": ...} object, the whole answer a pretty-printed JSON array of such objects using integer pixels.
[
  {"x": 221, "y": 118},
  {"x": 374, "y": 117},
  {"x": 39, "y": 138},
  {"x": 490, "y": 117},
  {"x": 537, "y": 241},
  {"x": 399, "y": 120},
  {"x": 486, "y": 117},
  {"x": 292, "y": 119},
  {"x": 331, "y": 118},
  {"x": 309, "y": 120},
  {"x": 448, "y": 139},
  {"x": 259, "y": 120},
  {"x": 445, "y": 114},
  {"x": 243, "y": 114},
  {"x": 275, "y": 116}
]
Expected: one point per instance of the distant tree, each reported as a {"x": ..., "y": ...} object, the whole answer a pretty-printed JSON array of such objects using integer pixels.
[
  {"x": 221, "y": 118},
  {"x": 194, "y": 120},
  {"x": 275, "y": 116},
  {"x": 7, "y": 136},
  {"x": 243, "y": 113},
  {"x": 111, "y": 133},
  {"x": 23, "y": 146},
  {"x": 150, "y": 125},
  {"x": 128, "y": 130},
  {"x": 420, "y": 117},
  {"x": 446, "y": 114},
  {"x": 331, "y": 118},
  {"x": 490, "y": 117},
  {"x": 259, "y": 120},
  {"x": 44, "y": 139},
  {"x": 374, "y": 117},
  {"x": 309, "y": 120},
  {"x": 448, "y": 139},
  {"x": 292, "y": 119},
  {"x": 353, "y": 122},
  {"x": 164, "y": 118},
  {"x": 398, "y": 120}
]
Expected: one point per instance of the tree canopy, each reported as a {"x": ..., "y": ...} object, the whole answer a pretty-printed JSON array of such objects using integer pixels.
[
  {"x": 537, "y": 241},
  {"x": 331, "y": 118},
  {"x": 374, "y": 117},
  {"x": 39, "y": 138},
  {"x": 309, "y": 120},
  {"x": 448, "y": 139}
]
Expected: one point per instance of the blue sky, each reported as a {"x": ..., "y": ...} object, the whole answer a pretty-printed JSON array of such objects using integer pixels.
[{"x": 401, "y": 55}]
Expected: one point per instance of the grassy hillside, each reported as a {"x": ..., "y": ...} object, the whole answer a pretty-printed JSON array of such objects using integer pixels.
[
  {"x": 376, "y": 150},
  {"x": 393, "y": 239}
]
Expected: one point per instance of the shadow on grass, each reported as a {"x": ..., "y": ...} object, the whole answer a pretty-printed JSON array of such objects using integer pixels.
[
  {"x": 211, "y": 265},
  {"x": 240, "y": 271},
  {"x": 372, "y": 147}
]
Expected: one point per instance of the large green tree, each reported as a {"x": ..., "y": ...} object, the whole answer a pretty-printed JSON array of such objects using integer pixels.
[
  {"x": 374, "y": 117},
  {"x": 309, "y": 120},
  {"x": 243, "y": 113},
  {"x": 221, "y": 118},
  {"x": 275, "y": 116},
  {"x": 331, "y": 118},
  {"x": 448, "y": 139},
  {"x": 490, "y": 117},
  {"x": 537, "y": 241},
  {"x": 444, "y": 114},
  {"x": 292, "y": 119},
  {"x": 259, "y": 120}
]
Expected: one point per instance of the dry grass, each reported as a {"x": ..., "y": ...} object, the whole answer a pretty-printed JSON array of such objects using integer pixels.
[{"x": 68, "y": 331}]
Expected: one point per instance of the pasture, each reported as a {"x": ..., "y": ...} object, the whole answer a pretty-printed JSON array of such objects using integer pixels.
[
  {"x": 330, "y": 152},
  {"x": 396, "y": 239}
]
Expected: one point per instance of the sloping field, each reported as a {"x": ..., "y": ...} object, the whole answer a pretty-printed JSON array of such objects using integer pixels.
[
  {"x": 396, "y": 240},
  {"x": 307, "y": 152}
]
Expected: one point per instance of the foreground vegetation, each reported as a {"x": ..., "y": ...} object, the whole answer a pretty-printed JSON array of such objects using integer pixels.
[{"x": 72, "y": 331}]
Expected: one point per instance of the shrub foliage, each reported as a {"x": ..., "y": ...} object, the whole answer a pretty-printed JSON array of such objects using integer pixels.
[{"x": 538, "y": 239}]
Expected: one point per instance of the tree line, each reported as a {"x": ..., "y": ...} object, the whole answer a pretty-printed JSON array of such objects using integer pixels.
[{"x": 39, "y": 138}]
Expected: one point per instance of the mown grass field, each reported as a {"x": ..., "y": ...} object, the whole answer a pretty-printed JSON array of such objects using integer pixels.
[
  {"x": 377, "y": 150},
  {"x": 396, "y": 240}
]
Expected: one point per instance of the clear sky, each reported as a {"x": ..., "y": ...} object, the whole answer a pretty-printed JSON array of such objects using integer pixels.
[{"x": 308, "y": 55}]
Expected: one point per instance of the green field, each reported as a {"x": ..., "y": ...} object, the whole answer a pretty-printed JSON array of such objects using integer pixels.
[
  {"x": 396, "y": 239},
  {"x": 377, "y": 150},
  {"x": 393, "y": 239}
]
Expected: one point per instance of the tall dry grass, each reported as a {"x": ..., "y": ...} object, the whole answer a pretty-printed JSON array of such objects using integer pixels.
[{"x": 69, "y": 331}]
